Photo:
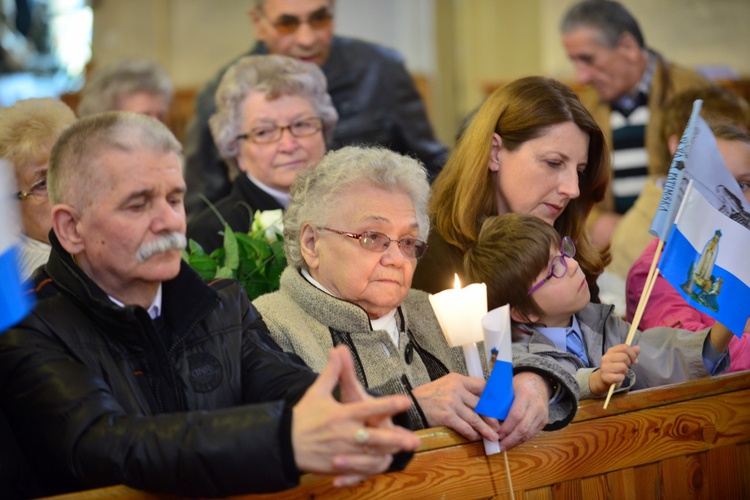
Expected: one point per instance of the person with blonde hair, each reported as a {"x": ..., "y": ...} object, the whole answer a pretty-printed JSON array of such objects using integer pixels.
[
  {"x": 531, "y": 148},
  {"x": 28, "y": 130}
]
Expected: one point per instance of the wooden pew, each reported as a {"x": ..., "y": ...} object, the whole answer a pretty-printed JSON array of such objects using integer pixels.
[{"x": 682, "y": 441}]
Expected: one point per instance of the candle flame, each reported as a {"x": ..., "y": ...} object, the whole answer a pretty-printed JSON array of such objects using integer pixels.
[{"x": 456, "y": 282}]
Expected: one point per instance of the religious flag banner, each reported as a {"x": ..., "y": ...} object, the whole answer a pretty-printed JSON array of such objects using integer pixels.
[
  {"x": 498, "y": 395},
  {"x": 705, "y": 260},
  {"x": 698, "y": 159},
  {"x": 15, "y": 304}
]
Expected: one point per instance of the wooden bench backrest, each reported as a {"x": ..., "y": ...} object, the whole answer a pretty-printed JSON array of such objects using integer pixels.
[{"x": 688, "y": 440}]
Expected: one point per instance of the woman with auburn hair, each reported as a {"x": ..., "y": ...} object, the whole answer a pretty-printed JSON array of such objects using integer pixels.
[{"x": 531, "y": 148}]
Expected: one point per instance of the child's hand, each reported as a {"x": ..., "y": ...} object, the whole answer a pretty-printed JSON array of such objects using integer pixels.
[
  {"x": 720, "y": 336},
  {"x": 615, "y": 364}
]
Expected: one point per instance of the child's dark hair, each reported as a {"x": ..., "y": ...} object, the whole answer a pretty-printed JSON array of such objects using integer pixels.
[{"x": 510, "y": 252}]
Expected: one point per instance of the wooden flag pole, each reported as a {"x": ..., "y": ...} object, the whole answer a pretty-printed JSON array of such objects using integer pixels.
[
  {"x": 653, "y": 272},
  {"x": 507, "y": 472}
]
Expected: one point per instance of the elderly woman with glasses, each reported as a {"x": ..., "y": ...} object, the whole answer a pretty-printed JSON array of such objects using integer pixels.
[
  {"x": 273, "y": 120},
  {"x": 28, "y": 130},
  {"x": 353, "y": 232}
]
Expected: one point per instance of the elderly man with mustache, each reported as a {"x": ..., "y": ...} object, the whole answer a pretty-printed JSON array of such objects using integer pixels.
[{"x": 133, "y": 370}]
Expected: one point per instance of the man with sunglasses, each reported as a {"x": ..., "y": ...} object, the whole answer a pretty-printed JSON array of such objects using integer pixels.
[
  {"x": 526, "y": 264},
  {"x": 371, "y": 89}
]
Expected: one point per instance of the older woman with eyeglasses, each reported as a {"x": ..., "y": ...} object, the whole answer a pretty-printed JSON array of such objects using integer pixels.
[
  {"x": 353, "y": 232},
  {"x": 273, "y": 120},
  {"x": 28, "y": 130}
]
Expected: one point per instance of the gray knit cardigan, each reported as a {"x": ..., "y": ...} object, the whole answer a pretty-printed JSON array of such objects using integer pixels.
[{"x": 309, "y": 322}]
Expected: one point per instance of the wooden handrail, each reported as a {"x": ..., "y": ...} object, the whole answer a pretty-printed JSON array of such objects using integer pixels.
[{"x": 680, "y": 441}]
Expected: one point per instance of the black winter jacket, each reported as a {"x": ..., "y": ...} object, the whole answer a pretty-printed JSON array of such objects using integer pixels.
[
  {"x": 100, "y": 395},
  {"x": 237, "y": 210}
]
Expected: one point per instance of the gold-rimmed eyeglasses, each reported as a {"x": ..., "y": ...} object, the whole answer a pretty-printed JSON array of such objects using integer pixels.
[
  {"x": 374, "y": 241},
  {"x": 38, "y": 190}
]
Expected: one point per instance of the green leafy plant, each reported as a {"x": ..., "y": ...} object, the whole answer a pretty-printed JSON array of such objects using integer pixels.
[{"x": 255, "y": 259}]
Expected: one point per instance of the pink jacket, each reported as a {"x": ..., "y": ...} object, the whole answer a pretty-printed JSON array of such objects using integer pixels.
[{"x": 666, "y": 307}]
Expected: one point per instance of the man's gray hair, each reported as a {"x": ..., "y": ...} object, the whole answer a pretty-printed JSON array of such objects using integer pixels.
[
  {"x": 610, "y": 18},
  {"x": 274, "y": 76},
  {"x": 316, "y": 193},
  {"x": 75, "y": 158},
  {"x": 111, "y": 83}
]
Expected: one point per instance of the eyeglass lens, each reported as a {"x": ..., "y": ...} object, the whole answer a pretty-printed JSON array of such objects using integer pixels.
[
  {"x": 559, "y": 267},
  {"x": 38, "y": 190},
  {"x": 567, "y": 247},
  {"x": 378, "y": 242},
  {"x": 300, "y": 128}
]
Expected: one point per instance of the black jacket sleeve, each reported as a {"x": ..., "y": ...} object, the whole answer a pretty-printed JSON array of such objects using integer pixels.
[
  {"x": 205, "y": 171},
  {"x": 67, "y": 417}
]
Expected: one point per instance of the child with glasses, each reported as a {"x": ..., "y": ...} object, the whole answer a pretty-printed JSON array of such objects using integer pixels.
[{"x": 525, "y": 264}]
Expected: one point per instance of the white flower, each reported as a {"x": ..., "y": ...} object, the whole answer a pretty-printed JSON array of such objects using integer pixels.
[{"x": 269, "y": 221}]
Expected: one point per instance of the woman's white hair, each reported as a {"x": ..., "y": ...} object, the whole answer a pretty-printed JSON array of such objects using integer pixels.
[
  {"x": 275, "y": 76},
  {"x": 316, "y": 193}
]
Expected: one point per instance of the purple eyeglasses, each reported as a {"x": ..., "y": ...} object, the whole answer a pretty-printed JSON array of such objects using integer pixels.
[{"x": 558, "y": 267}]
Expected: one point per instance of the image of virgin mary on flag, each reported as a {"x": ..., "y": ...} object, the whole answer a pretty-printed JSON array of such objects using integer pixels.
[{"x": 705, "y": 260}]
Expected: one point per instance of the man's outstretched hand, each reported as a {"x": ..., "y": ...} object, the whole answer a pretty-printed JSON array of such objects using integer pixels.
[{"x": 354, "y": 438}]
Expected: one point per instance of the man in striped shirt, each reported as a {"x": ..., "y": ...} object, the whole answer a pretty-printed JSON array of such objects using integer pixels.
[{"x": 628, "y": 83}]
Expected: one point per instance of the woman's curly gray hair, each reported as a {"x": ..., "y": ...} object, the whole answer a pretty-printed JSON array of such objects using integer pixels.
[
  {"x": 316, "y": 193},
  {"x": 275, "y": 76}
]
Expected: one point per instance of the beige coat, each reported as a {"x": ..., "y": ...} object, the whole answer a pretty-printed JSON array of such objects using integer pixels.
[
  {"x": 631, "y": 236},
  {"x": 309, "y": 322},
  {"x": 669, "y": 80}
]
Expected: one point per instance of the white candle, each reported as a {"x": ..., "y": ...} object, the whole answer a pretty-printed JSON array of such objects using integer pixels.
[{"x": 459, "y": 312}]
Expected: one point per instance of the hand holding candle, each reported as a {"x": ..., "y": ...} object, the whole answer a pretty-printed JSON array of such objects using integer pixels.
[
  {"x": 498, "y": 393},
  {"x": 460, "y": 312}
]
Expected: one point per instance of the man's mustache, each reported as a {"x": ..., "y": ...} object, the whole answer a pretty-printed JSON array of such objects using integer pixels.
[{"x": 165, "y": 243}]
